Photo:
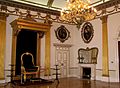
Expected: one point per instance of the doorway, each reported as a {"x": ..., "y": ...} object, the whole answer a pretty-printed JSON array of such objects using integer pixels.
[
  {"x": 62, "y": 61},
  {"x": 62, "y": 58}
]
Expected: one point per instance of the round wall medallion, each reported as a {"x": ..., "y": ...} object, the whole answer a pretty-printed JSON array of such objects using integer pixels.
[
  {"x": 87, "y": 32},
  {"x": 62, "y": 33}
]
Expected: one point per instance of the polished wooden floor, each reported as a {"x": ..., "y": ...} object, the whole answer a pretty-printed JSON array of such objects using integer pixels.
[{"x": 67, "y": 83}]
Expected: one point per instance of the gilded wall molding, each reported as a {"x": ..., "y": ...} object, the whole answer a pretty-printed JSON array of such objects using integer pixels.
[
  {"x": 105, "y": 57},
  {"x": 3, "y": 17}
]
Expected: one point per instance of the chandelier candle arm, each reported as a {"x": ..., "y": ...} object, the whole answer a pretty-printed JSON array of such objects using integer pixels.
[{"x": 78, "y": 11}]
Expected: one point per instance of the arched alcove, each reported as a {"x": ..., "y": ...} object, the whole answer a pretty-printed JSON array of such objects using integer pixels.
[{"x": 41, "y": 29}]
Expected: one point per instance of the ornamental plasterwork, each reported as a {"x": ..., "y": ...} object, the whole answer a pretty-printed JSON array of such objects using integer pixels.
[
  {"x": 109, "y": 11},
  {"x": 51, "y": 15}
]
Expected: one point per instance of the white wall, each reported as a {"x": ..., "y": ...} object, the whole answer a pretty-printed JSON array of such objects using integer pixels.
[
  {"x": 113, "y": 29},
  {"x": 8, "y": 46},
  {"x": 53, "y": 40},
  {"x": 69, "y": 41},
  {"x": 77, "y": 42}
]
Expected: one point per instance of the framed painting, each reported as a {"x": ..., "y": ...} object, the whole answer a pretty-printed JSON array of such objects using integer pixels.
[
  {"x": 87, "y": 32},
  {"x": 62, "y": 33}
]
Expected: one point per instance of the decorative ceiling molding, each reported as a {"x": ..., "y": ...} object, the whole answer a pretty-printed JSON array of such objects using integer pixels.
[
  {"x": 52, "y": 15},
  {"x": 107, "y": 4},
  {"x": 28, "y": 7},
  {"x": 103, "y": 9},
  {"x": 50, "y": 11},
  {"x": 96, "y": 2}
]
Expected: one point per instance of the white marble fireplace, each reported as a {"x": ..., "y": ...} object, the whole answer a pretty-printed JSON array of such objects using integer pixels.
[{"x": 93, "y": 70}]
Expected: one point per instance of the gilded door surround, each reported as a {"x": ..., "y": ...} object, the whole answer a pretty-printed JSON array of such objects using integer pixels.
[
  {"x": 105, "y": 58},
  {"x": 3, "y": 18},
  {"x": 19, "y": 24}
]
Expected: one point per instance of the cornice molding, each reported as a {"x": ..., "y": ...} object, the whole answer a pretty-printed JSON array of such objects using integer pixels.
[
  {"x": 107, "y": 4},
  {"x": 49, "y": 11},
  {"x": 52, "y": 15},
  {"x": 28, "y": 7}
]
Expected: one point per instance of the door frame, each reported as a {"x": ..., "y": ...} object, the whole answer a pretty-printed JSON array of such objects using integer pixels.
[{"x": 58, "y": 49}]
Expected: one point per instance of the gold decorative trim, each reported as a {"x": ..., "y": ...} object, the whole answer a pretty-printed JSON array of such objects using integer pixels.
[
  {"x": 3, "y": 17},
  {"x": 105, "y": 75},
  {"x": 25, "y": 24},
  {"x": 105, "y": 58},
  {"x": 101, "y": 70}
]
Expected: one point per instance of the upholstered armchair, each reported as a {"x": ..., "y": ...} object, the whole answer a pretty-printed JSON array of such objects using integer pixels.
[{"x": 27, "y": 66}]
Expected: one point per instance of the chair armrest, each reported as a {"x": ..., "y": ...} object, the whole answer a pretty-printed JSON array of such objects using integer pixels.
[
  {"x": 38, "y": 68},
  {"x": 22, "y": 69}
]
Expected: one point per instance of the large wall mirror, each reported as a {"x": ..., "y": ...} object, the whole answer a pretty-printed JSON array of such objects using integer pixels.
[{"x": 88, "y": 55}]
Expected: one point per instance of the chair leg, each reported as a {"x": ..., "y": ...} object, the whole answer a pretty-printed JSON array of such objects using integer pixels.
[{"x": 24, "y": 78}]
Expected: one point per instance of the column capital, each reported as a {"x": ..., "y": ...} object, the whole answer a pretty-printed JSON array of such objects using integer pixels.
[
  {"x": 104, "y": 19},
  {"x": 3, "y": 15},
  {"x": 16, "y": 32},
  {"x": 41, "y": 34}
]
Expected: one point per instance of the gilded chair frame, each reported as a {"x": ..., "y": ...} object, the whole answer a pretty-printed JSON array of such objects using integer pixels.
[{"x": 23, "y": 71}]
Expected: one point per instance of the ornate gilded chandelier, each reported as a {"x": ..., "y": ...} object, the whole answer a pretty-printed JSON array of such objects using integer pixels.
[{"x": 78, "y": 11}]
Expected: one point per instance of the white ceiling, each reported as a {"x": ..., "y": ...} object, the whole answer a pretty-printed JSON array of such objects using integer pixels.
[{"x": 56, "y": 5}]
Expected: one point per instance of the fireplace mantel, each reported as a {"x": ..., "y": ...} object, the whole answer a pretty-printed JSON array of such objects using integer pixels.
[{"x": 93, "y": 70}]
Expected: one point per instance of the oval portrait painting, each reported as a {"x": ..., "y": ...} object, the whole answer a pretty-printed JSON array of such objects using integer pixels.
[
  {"x": 87, "y": 32},
  {"x": 62, "y": 33}
]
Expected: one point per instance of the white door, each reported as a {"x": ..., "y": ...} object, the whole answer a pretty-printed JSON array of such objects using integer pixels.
[{"x": 62, "y": 61}]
